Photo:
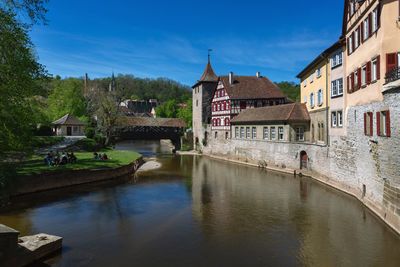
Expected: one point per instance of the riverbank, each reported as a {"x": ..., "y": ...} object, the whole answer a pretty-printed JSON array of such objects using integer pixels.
[{"x": 387, "y": 218}]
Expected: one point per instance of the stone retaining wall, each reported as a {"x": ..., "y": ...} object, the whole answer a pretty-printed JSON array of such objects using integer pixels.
[
  {"x": 46, "y": 181},
  {"x": 366, "y": 167}
]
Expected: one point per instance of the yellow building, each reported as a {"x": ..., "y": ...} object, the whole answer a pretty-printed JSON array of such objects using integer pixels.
[{"x": 315, "y": 93}]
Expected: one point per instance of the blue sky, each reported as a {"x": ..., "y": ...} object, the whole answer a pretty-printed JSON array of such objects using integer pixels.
[{"x": 170, "y": 38}]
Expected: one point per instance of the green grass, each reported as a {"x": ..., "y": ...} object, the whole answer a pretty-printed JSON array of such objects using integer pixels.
[{"x": 117, "y": 158}]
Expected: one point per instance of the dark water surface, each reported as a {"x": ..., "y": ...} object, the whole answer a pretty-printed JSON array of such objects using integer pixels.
[{"x": 198, "y": 212}]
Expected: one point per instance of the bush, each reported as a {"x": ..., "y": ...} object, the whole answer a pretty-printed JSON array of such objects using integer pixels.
[
  {"x": 100, "y": 139},
  {"x": 45, "y": 141},
  {"x": 43, "y": 130},
  {"x": 87, "y": 144},
  {"x": 90, "y": 132}
]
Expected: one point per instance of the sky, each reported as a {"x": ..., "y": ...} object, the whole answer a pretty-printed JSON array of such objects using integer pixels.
[{"x": 171, "y": 38}]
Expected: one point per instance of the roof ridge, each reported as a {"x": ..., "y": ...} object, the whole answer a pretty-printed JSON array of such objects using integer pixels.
[{"x": 290, "y": 113}]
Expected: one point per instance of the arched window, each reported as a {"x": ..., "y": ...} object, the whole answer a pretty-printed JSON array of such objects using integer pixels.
[
  {"x": 227, "y": 122},
  {"x": 218, "y": 122},
  {"x": 219, "y": 106},
  {"x": 213, "y": 122}
]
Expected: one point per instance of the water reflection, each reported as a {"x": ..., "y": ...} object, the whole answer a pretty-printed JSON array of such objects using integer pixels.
[{"x": 199, "y": 212}]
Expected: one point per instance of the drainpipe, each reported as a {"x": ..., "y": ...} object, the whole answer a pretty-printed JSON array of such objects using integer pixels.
[{"x": 327, "y": 99}]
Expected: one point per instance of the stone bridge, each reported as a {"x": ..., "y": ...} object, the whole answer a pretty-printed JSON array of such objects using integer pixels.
[{"x": 145, "y": 128}]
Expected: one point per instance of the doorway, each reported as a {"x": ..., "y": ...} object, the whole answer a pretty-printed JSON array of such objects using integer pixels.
[
  {"x": 69, "y": 131},
  {"x": 303, "y": 160}
]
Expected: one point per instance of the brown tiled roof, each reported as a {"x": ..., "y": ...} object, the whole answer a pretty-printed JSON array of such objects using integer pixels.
[
  {"x": 251, "y": 87},
  {"x": 208, "y": 75},
  {"x": 295, "y": 112},
  {"x": 68, "y": 120},
  {"x": 153, "y": 122}
]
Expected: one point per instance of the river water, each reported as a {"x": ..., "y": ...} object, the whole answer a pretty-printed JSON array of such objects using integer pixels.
[{"x": 195, "y": 211}]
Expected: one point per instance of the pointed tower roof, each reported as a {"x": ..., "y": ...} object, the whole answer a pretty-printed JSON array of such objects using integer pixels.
[{"x": 208, "y": 75}]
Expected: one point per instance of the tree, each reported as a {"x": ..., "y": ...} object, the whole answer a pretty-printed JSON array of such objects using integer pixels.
[
  {"x": 34, "y": 9},
  {"x": 185, "y": 113},
  {"x": 167, "y": 110},
  {"x": 66, "y": 97},
  {"x": 290, "y": 89},
  {"x": 20, "y": 77}
]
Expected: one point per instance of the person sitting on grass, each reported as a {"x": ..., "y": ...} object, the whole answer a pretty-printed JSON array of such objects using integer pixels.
[
  {"x": 104, "y": 156},
  {"x": 48, "y": 160},
  {"x": 96, "y": 156},
  {"x": 63, "y": 159},
  {"x": 71, "y": 157}
]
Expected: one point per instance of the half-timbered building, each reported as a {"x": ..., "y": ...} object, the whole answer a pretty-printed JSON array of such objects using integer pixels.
[{"x": 236, "y": 93}]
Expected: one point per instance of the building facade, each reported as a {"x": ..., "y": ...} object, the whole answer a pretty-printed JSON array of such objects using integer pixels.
[
  {"x": 234, "y": 94},
  {"x": 202, "y": 95}
]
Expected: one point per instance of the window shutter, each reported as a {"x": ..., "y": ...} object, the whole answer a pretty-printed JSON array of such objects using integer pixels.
[
  {"x": 379, "y": 15},
  {"x": 371, "y": 123},
  {"x": 348, "y": 84},
  {"x": 365, "y": 123},
  {"x": 352, "y": 82},
  {"x": 388, "y": 133},
  {"x": 359, "y": 78},
  {"x": 353, "y": 43},
  {"x": 378, "y": 68},
  {"x": 368, "y": 74},
  {"x": 391, "y": 61},
  {"x": 348, "y": 46},
  {"x": 378, "y": 123},
  {"x": 362, "y": 32}
]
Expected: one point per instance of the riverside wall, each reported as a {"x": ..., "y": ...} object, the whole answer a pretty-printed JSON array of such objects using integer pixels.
[
  {"x": 47, "y": 181},
  {"x": 367, "y": 167}
]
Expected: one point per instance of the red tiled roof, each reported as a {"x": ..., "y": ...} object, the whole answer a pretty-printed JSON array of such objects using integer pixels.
[
  {"x": 295, "y": 112},
  {"x": 251, "y": 87}
]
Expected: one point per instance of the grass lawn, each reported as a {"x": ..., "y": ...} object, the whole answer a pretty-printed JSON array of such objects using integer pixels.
[{"x": 117, "y": 158}]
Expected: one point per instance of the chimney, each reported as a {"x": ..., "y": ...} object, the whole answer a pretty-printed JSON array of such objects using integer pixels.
[
  {"x": 231, "y": 77},
  {"x": 258, "y": 74}
]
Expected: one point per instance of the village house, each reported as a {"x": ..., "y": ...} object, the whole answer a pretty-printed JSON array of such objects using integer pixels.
[
  {"x": 282, "y": 123},
  {"x": 69, "y": 125},
  {"x": 237, "y": 93}
]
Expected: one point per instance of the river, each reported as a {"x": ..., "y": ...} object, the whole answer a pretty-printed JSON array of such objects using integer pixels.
[{"x": 195, "y": 211}]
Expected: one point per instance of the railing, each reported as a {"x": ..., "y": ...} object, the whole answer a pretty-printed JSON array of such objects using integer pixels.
[{"x": 392, "y": 75}]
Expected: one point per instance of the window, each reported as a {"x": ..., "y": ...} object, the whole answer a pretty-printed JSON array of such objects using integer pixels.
[
  {"x": 320, "y": 97},
  {"x": 355, "y": 81},
  {"x": 236, "y": 132},
  {"x": 383, "y": 123},
  {"x": 227, "y": 122},
  {"x": 197, "y": 103},
  {"x": 337, "y": 60},
  {"x": 300, "y": 134},
  {"x": 280, "y": 133},
  {"x": 241, "y": 132},
  {"x": 357, "y": 38},
  {"x": 392, "y": 61},
  {"x": 366, "y": 28},
  {"x": 75, "y": 129},
  {"x": 364, "y": 75},
  {"x": 374, "y": 70},
  {"x": 311, "y": 78},
  {"x": 273, "y": 133},
  {"x": 216, "y": 135},
  {"x": 266, "y": 133},
  {"x": 350, "y": 44},
  {"x": 334, "y": 119},
  {"x": 340, "y": 118},
  {"x": 375, "y": 20},
  {"x": 334, "y": 89},
  {"x": 254, "y": 133},
  {"x": 352, "y": 7},
  {"x": 247, "y": 132},
  {"x": 219, "y": 107},
  {"x": 305, "y": 83},
  {"x": 368, "y": 124},
  {"x": 312, "y": 104},
  {"x": 226, "y": 135},
  {"x": 340, "y": 86},
  {"x": 318, "y": 72},
  {"x": 305, "y": 99}
]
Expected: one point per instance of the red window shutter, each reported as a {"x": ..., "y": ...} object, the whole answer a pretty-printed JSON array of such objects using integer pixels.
[
  {"x": 359, "y": 78},
  {"x": 368, "y": 74},
  {"x": 365, "y": 123},
  {"x": 378, "y": 123},
  {"x": 391, "y": 61},
  {"x": 378, "y": 67},
  {"x": 352, "y": 82},
  {"x": 362, "y": 32},
  {"x": 371, "y": 123},
  {"x": 388, "y": 133},
  {"x": 348, "y": 46},
  {"x": 353, "y": 43},
  {"x": 348, "y": 84},
  {"x": 379, "y": 14}
]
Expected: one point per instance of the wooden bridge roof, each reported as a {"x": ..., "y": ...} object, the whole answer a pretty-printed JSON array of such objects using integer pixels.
[{"x": 153, "y": 122}]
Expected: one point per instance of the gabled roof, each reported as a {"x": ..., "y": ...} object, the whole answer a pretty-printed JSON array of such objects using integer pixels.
[
  {"x": 295, "y": 112},
  {"x": 68, "y": 120},
  {"x": 208, "y": 75},
  {"x": 251, "y": 87},
  {"x": 153, "y": 122}
]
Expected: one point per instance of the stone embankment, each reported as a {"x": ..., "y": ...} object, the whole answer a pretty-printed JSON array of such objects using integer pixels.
[
  {"x": 16, "y": 252},
  {"x": 47, "y": 181}
]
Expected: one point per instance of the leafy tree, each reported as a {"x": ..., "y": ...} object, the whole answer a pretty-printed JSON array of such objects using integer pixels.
[
  {"x": 20, "y": 76},
  {"x": 34, "y": 9},
  {"x": 66, "y": 97},
  {"x": 185, "y": 113},
  {"x": 291, "y": 90},
  {"x": 167, "y": 110}
]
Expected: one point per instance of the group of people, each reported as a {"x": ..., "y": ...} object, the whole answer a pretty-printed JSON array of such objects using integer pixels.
[
  {"x": 101, "y": 156},
  {"x": 56, "y": 159}
]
